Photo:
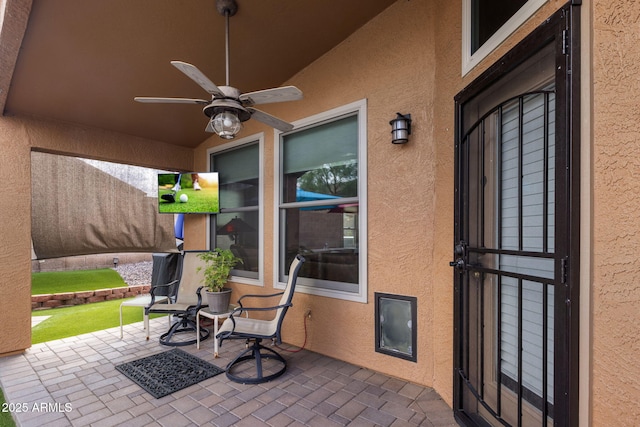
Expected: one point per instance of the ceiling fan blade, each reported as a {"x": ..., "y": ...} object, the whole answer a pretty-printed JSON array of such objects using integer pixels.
[
  {"x": 270, "y": 120},
  {"x": 267, "y": 96},
  {"x": 198, "y": 76},
  {"x": 151, "y": 100}
]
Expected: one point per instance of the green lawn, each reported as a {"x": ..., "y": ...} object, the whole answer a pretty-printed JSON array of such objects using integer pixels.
[
  {"x": 75, "y": 281},
  {"x": 81, "y": 319},
  {"x": 5, "y": 417}
]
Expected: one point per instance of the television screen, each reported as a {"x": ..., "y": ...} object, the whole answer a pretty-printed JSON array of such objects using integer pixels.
[{"x": 193, "y": 192}]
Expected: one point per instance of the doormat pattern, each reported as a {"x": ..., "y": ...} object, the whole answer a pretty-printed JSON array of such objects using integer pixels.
[{"x": 165, "y": 373}]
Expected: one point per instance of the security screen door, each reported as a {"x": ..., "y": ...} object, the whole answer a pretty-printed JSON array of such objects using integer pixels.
[{"x": 513, "y": 238}]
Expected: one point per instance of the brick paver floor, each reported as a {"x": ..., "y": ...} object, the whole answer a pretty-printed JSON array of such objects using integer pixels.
[{"x": 73, "y": 382}]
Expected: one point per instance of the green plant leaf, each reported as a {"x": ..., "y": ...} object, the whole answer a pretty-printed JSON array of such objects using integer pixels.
[{"x": 218, "y": 266}]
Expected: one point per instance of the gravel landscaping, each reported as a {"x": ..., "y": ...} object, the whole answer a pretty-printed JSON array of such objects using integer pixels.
[{"x": 138, "y": 273}]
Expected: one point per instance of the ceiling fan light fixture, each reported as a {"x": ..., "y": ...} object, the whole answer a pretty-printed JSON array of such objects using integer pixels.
[
  {"x": 228, "y": 107},
  {"x": 226, "y": 124}
]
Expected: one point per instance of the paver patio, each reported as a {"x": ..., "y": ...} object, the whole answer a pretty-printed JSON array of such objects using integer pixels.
[{"x": 73, "y": 382}]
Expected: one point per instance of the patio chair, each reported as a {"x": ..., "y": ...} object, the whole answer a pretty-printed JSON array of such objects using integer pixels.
[
  {"x": 159, "y": 294},
  {"x": 236, "y": 327},
  {"x": 187, "y": 303}
]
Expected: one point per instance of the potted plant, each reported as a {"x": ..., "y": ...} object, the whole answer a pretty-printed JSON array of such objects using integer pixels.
[{"x": 218, "y": 265}]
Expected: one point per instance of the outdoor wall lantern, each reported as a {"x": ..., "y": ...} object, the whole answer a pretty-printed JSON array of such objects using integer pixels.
[
  {"x": 115, "y": 262},
  {"x": 400, "y": 128}
]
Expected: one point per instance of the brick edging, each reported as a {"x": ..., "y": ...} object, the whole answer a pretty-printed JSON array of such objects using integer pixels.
[{"x": 68, "y": 299}]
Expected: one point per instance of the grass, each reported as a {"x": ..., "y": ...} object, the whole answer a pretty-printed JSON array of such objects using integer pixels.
[
  {"x": 5, "y": 417},
  {"x": 205, "y": 200},
  {"x": 81, "y": 319},
  {"x": 75, "y": 281}
]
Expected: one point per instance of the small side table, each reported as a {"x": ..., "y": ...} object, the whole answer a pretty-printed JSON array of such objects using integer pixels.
[
  {"x": 206, "y": 312},
  {"x": 141, "y": 301}
]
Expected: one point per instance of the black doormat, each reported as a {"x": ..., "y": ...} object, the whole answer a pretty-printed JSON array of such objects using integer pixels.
[{"x": 164, "y": 373}]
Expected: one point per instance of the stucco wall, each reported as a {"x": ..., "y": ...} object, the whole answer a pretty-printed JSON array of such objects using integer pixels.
[
  {"x": 15, "y": 250},
  {"x": 407, "y": 60},
  {"x": 616, "y": 227},
  {"x": 18, "y": 136},
  {"x": 382, "y": 64}
]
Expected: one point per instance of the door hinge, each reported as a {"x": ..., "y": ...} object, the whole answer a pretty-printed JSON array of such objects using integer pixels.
[
  {"x": 564, "y": 270},
  {"x": 565, "y": 42}
]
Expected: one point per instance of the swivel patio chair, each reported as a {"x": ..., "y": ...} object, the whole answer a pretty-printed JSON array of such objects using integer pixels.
[
  {"x": 255, "y": 330},
  {"x": 159, "y": 294},
  {"x": 186, "y": 305}
]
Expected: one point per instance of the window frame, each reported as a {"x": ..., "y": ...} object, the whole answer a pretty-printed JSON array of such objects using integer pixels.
[
  {"x": 358, "y": 108},
  {"x": 253, "y": 139},
  {"x": 470, "y": 61}
]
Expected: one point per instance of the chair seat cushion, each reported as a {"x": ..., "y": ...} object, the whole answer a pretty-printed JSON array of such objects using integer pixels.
[{"x": 253, "y": 327}]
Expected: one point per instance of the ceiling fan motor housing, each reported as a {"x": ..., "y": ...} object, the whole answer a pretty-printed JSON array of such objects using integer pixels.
[
  {"x": 230, "y": 102},
  {"x": 222, "y": 106}
]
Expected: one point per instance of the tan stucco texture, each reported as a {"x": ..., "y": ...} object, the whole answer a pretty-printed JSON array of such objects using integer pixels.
[
  {"x": 615, "y": 118},
  {"x": 405, "y": 60}
]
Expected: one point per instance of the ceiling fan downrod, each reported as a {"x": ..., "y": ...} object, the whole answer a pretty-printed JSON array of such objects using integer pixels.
[{"x": 227, "y": 8}]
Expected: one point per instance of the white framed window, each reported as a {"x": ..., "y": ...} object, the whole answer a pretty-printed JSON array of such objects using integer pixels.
[
  {"x": 488, "y": 23},
  {"x": 321, "y": 203},
  {"x": 239, "y": 225}
]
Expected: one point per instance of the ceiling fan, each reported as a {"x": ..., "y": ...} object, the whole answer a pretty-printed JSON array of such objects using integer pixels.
[{"x": 228, "y": 107}]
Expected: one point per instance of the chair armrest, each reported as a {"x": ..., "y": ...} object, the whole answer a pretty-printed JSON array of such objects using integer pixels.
[
  {"x": 198, "y": 304},
  {"x": 257, "y": 296},
  {"x": 237, "y": 311},
  {"x": 241, "y": 309},
  {"x": 154, "y": 288},
  {"x": 198, "y": 292},
  {"x": 152, "y": 292}
]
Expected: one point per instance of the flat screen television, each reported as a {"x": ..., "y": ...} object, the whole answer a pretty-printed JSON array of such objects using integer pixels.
[{"x": 189, "y": 193}]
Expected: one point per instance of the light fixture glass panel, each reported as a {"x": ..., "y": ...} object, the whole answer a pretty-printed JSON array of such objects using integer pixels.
[{"x": 226, "y": 124}]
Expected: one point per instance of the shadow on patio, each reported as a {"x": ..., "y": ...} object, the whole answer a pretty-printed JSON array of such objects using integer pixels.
[{"x": 76, "y": 381}]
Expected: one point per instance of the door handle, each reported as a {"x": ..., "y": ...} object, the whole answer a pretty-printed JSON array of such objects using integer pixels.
[
  {"x": 459, "y": 251},
  {"x": 458, "y": 263}
]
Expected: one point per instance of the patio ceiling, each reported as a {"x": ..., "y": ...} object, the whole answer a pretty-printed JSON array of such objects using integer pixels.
[{"x": 83, "y": 61}]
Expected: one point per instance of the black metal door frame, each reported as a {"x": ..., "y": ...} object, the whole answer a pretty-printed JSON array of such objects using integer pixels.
[{"x": 563, "y": 30}]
